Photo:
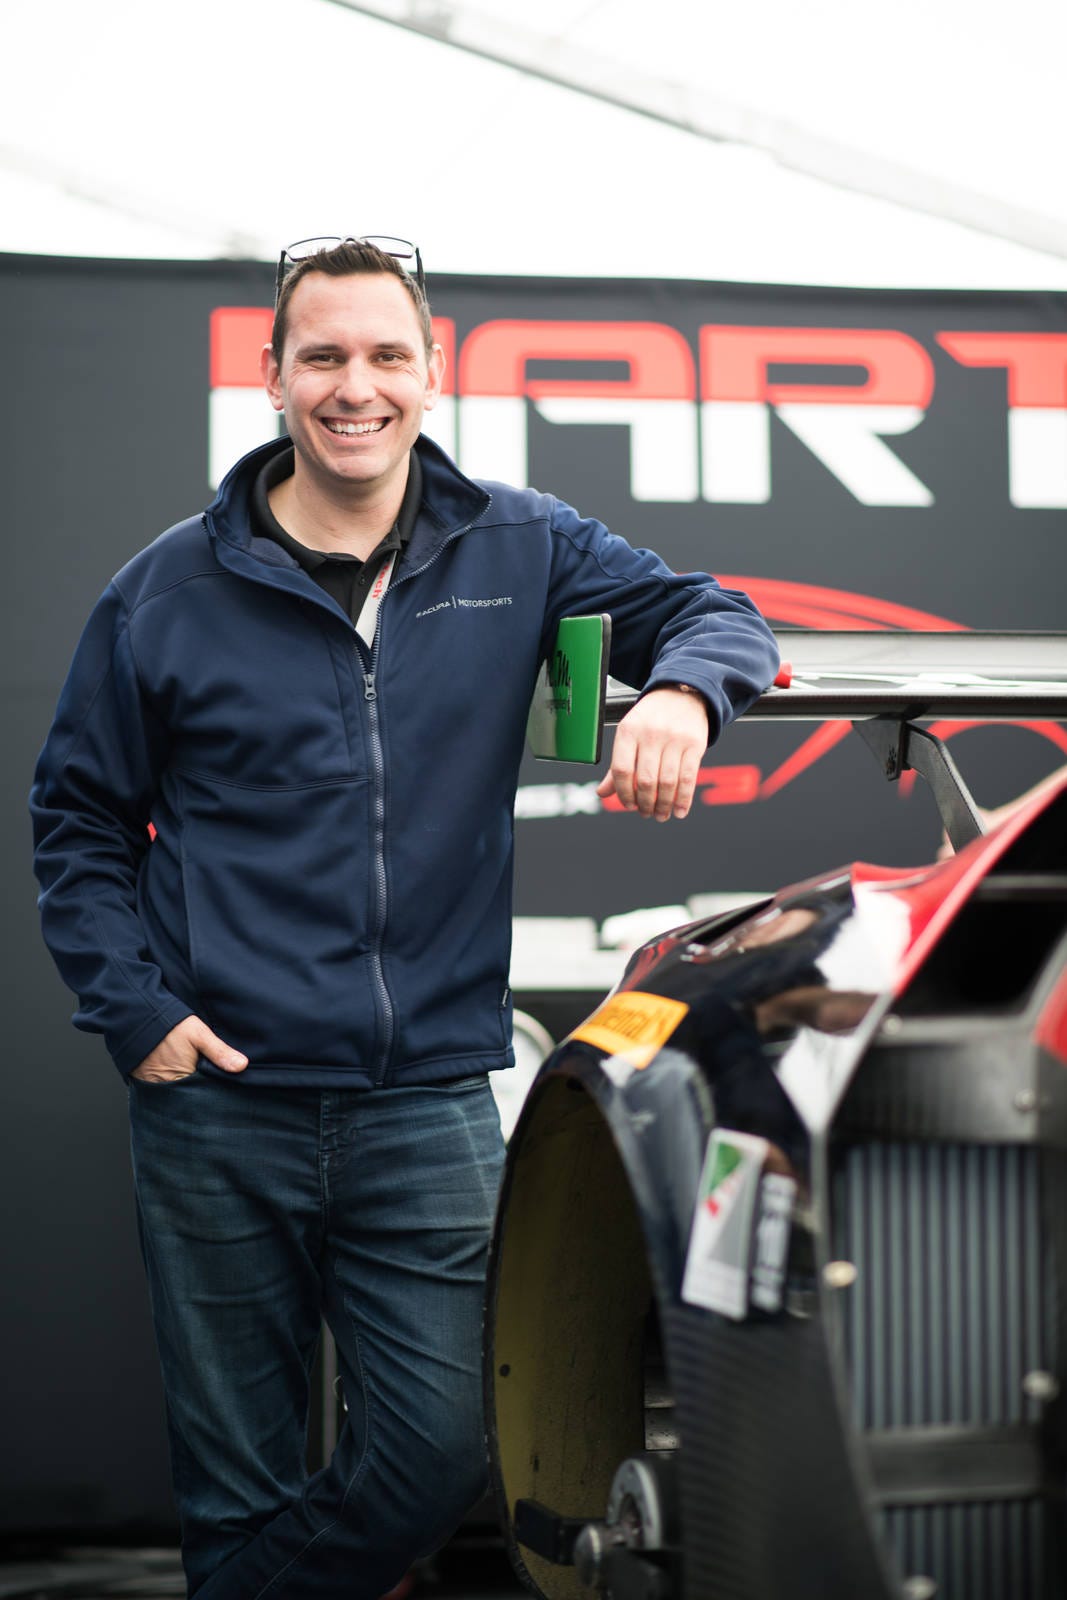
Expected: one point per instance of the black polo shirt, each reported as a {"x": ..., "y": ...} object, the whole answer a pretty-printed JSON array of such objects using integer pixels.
[{"x": 346, "y": 578}]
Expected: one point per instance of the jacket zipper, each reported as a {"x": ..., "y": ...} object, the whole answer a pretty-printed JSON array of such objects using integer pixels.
[{"x": 370, "y": 695}]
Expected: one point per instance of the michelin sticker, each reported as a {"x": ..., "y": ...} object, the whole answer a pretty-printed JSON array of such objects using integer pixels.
[{"x": 740, "y": 1229}]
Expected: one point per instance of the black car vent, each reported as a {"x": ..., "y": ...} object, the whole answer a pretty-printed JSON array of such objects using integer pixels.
[{"x": 994, "y": 952}]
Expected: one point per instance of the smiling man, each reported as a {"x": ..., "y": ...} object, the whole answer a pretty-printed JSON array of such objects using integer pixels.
[
  {"x": 353, "y": 370},
  {"x": 274, "y": 839}
]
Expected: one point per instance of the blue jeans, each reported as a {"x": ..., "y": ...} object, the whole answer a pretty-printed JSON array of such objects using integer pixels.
[{"x": 262, "y": 1210}]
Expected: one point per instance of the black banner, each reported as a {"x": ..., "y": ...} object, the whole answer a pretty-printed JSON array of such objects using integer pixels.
[{"x": 851, "y": 458}]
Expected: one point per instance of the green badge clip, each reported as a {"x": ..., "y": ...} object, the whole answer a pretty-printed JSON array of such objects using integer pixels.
[{"x": 566, "y": 721}]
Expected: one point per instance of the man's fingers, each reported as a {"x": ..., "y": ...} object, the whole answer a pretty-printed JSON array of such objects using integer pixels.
[
  {"x": 647, "y": 777},
  {"x": 667, "y": 787},
  {"x": 658, "y": 749},
  {"x": 176, "y": 1055},
  {"x": 655, "y": 777},
  {"x": 217, "y": 1050},
  {"x": 651, "y": 780},
  {"x": 687, "y": 783},
  {"x": 623, "y": 757}
]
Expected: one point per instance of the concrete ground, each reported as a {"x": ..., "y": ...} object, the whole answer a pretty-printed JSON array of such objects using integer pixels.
[{"x": 465, "y": 1571}]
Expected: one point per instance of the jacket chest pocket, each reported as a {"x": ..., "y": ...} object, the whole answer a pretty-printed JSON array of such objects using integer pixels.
[{"x": 292, "y": 716}]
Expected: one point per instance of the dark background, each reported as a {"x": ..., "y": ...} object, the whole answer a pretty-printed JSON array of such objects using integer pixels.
[{"x": 105, "y": 421}]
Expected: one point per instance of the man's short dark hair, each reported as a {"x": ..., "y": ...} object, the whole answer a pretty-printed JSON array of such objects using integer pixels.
[{"x": 344, "y": 261}]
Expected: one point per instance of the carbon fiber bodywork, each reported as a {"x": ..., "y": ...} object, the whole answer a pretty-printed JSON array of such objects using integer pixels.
[{"x": 882, "y": 1413}]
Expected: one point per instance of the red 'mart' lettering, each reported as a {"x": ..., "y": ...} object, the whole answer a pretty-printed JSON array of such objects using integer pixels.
[
  {"x": 440, "y": 422},
  {"x": 444, "y": 334},
  {"x": 841, "y": 424},
  {"x": 239, "y": 414},
  {"x": 734, "y": 363},
  {"x": 238, "y": 334},
  {"x": 495, "y": 355},
  {"x": 1036, "y": 363},
  {"x": 654, "y": 399}
]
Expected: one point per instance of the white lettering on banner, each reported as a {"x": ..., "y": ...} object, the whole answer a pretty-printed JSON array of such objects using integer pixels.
[
  {"x": 238, "y": 420},
  {"x": 736, "y": 446},
  {"x": 736, "y": 454},
  {"x": 492, "y": 438},
  {"x": 846, "y": 440},
  {"x": 736, "y": 451},
  {"x": 697, "y": 428},
  {"x": 543, "y": 800},
  {"x": 1037, "y": 456},
  {"x": 741, "y": 382},
  {"x": 663, "y": 440},
  {"x": 440, "y": 423}
]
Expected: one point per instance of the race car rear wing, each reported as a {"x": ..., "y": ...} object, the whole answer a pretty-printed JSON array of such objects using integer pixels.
[
  {"x": 961, "y": 675},
  {"x": 884, "y": 683}
]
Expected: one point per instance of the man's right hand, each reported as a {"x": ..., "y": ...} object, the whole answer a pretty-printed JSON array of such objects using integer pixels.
[{"x": 176, "y": 1055}]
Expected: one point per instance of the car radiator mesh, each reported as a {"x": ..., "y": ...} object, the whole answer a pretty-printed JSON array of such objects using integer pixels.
[{"x": 953, "y": 1305}]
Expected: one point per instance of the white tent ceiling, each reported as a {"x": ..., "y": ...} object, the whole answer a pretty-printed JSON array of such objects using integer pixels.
[{"x": 226, "y": 127}]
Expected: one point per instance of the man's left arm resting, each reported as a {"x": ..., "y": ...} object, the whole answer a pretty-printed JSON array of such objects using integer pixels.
[
  {"x": 700, "y": 654},
  {"x": 657, "y": 753},
  {"x": 715, "y": 656}
]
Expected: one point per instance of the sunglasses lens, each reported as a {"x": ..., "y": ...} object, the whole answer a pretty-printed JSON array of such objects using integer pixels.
[
  {"x": 310, "y": 247},
  {"x": 402, "y": 249}
]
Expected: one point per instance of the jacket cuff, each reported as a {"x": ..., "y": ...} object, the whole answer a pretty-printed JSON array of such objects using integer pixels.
[{"x": 133, "y": 1050}]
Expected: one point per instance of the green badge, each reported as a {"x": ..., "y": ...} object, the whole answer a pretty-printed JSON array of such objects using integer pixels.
[{"x": 566, "y": 721}]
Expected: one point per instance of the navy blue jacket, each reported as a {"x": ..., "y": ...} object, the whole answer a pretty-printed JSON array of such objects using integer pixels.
[{"x": 329, "y": 882}]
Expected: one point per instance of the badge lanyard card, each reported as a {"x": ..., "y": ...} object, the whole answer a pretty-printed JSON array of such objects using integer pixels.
[{"x": 367, "y": 621}]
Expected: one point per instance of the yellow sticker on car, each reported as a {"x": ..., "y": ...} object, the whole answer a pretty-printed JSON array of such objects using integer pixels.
[{"x": 632, "y": 1024}]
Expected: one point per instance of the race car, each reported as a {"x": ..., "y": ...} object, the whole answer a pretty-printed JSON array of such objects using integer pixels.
[{"x": 777, "y": 1301}]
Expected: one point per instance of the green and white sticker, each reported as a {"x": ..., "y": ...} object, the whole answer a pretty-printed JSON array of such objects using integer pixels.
[{"x": 719, "y": 1261}]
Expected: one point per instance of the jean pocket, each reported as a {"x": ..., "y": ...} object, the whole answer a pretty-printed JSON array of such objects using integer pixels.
[{"x": 162, "y": 1083}]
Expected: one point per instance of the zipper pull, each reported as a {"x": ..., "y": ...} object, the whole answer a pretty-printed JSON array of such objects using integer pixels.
[{"x": 369, "y": 691}]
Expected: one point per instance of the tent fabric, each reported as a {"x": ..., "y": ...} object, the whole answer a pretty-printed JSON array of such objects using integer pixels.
[{"x": 203, "y": 131}]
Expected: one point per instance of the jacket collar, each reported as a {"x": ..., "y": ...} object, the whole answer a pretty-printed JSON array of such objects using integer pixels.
[{"x": 451, "y": 503}]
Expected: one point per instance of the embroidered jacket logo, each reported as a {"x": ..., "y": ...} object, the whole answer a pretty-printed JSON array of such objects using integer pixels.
[{"x": 460, "y": 602}]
